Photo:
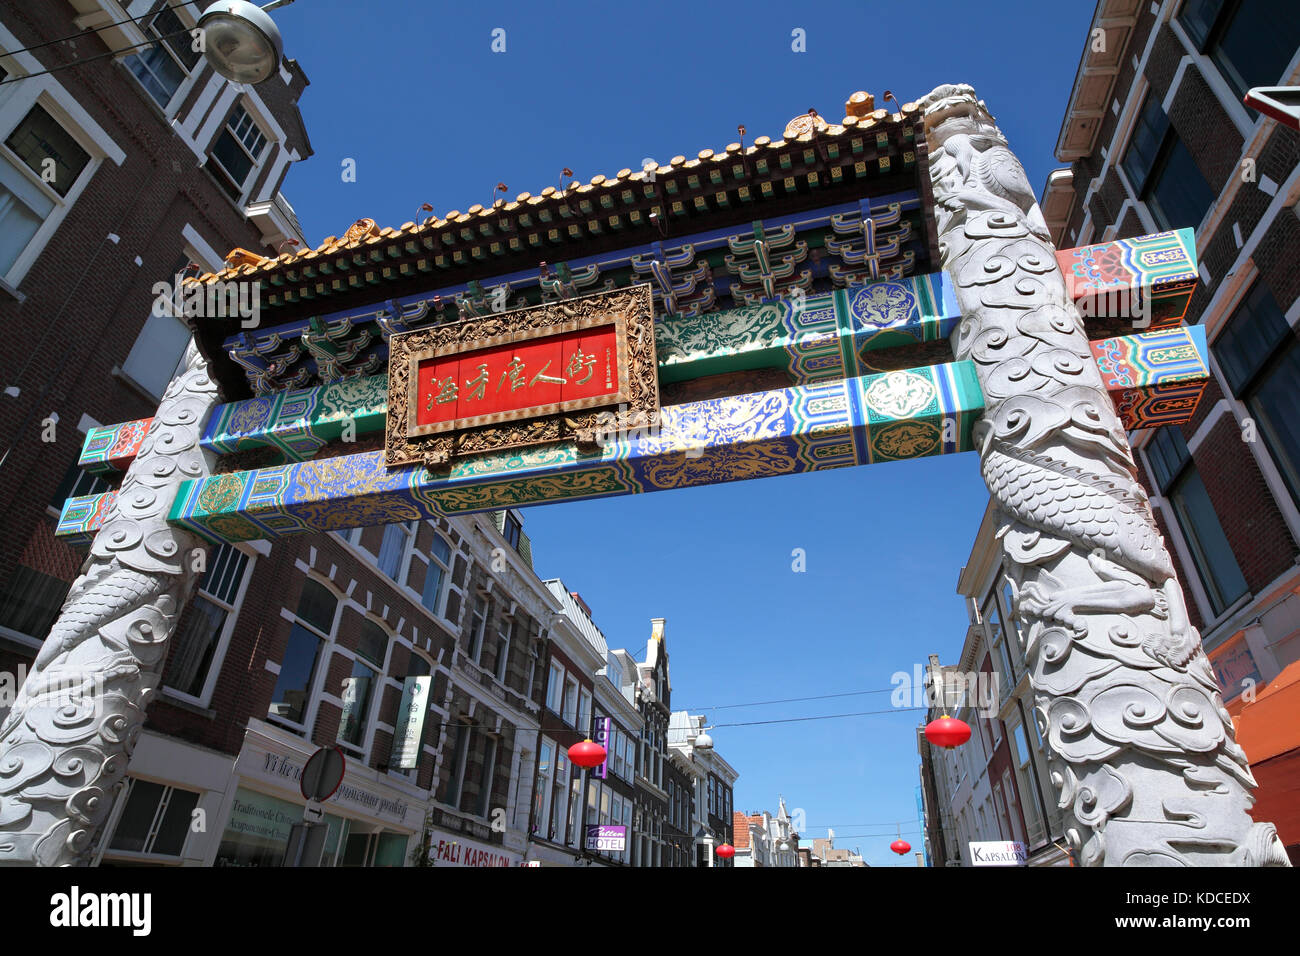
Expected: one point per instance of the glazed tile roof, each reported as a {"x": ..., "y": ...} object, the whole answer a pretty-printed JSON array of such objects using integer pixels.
[
  {"x": 845, "y": 138},
  {"x": 737, "y": 193}
]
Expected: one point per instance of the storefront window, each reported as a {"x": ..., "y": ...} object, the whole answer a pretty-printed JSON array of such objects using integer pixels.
[
  {"x": 257, "y": 833},
  {"x": 154, "y": 822}
]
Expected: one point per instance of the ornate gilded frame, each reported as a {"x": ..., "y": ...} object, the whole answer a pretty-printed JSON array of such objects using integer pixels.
[{"x": 630, "y": 310}]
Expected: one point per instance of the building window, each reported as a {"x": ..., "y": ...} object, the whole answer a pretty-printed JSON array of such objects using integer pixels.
[
  {"x": 1006, "y": 670},
  {"x": 313, "y": 626},
  {"x": 555, "y": 688},
  {"x": 155, "y": 821},
  {"x": 237, "y": 151},
  {"x": 560, "y": 813},
  {"x": 575, "y": 806},
  {"x": 1252, "y": 42},
  {"x": 1162, "y": 172},
  {"x": 570, "y": 712},
  {"x": 434, "y": 592},
  {"x": 23, "y": 209},
  {"x": 163, "y": 67},
  {"x": 1260, "y": 358},
  {"x": 203, "y": 627},
  {"x": 505, "y": 629},
  {"x": 455, "y": 782},
  {"x": 1177, "y": 193},
  {"x": 511, "y": 530},
  {"x": 77, "y": 483},
  {"x": 41, "y": 160},
  {"x": 1179, "y": 481},
  {"x": 393, "y": 549},
  {"x": 359, "y": 686},
  {"x": 48, "y": 149},
  {"x": 542, "y": 798},
  {"x": 478, "y": 625},
  {"x": 1144, "y": 144},
  {"x": 159, "y": 349},
  {"x": 1035, "y": 817},
  {"x": 584, "y": 710}
]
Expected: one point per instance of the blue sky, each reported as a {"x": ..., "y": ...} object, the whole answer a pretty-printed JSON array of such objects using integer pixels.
[{"x": 412, "y": 92}]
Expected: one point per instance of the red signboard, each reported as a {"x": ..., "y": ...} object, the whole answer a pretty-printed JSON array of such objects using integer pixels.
[{"x": 532, "y": 377}]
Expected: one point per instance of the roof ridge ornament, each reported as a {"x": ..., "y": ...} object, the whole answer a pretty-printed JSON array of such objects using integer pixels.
[{"x": 359, "y": 230}]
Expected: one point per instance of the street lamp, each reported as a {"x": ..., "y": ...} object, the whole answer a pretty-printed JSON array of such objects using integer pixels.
[
  {"x": 702, "y": 741},
  {"x": 241, "y": 41}
]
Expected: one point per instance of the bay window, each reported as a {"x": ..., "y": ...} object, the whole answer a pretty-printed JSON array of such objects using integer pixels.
[{"x": 237, "y": 152}]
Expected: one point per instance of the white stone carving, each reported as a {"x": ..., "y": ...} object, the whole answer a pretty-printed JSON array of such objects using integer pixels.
[
  {"x": 65, "y": 744},
  {"x": 1142, "y": 749}
]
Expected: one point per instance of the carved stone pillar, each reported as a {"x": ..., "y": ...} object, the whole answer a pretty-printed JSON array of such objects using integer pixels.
[
  {"x": 65, "y": 744},
  {"x": 1142, "y": 752}
]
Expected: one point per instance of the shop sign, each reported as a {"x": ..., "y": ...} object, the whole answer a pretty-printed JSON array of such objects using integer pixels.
[
  {"x": 454, "y": 851},
  {"x": 409, "y": 730},
  {"x": 998, "y": 853}
]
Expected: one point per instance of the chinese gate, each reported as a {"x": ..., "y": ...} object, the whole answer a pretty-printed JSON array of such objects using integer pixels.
[{"x": 759, "y": 311}]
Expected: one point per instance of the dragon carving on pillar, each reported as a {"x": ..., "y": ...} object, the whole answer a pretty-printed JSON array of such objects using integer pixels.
[
  {"x": 1141, "y": 750},
  {"x": 65, "y": 744}
]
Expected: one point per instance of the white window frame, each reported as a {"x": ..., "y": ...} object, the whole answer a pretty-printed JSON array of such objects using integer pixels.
[
  {"x": 223, "y": 641},
  {"x": 188, "y": 21},
  {"x": 554, "y": 685},
  {"x": 545, "y": 783},
  {"x": 372, "y": 708},
  {"x": 479, "y": 615},
  {"x": 200, "y": 253},
  {"x": 584, "y": 710},
  {"x": 505, "y": 627},
  {"x": 16, "y": 100},
  {"x": 272, "y": 142},
  {"x": 327, "y": 645},
  {"x": 160, "y": 810},
  {"x": 407, "y": 531},
  {"x": 432, "y": 560},
  {"x": 571, "y": 684}
]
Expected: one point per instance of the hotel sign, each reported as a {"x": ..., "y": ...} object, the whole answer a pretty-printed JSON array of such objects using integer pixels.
[
  {"x": 516, "y": 379},
  {"x": 609, "y": 838}
]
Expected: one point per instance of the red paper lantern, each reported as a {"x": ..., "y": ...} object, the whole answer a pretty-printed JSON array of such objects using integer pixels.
[
  {"x": 900, "y": 847},
  {"x": 587, "y": 754},
  {"x": 726, "y": 851},
  {"x": 947, "y": 732}
]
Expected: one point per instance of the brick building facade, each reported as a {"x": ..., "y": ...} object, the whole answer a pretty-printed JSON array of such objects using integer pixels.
[
  {"x": 115, "y": 174},
  {"x": 1158, "y": 138}
]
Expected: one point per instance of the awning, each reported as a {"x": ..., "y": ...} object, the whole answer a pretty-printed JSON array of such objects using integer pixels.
[{"x": 1267, "y": 726}]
